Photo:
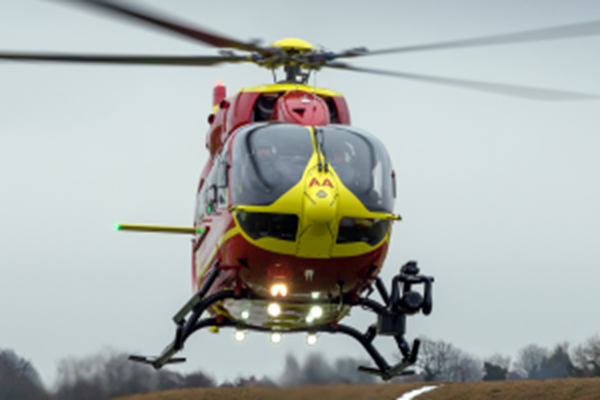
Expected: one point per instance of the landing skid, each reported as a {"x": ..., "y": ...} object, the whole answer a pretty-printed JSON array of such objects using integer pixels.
[{"x": 391, "y": 321}]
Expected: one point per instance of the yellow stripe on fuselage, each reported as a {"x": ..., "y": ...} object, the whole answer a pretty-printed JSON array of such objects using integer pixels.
[
  {"x": 228, "y": 235},
  {"x": 286, "y": 87}
]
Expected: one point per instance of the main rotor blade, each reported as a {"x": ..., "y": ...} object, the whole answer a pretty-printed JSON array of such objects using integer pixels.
[
  {"x": 122, "y": 59},
  {"x": 155, "y": 19},
  {"x": 509, "y": 90},
  {"x": 560, "y": 32}
]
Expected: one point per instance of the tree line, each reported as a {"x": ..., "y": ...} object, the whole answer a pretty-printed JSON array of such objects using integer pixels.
[
  {"x": 98, "y": 377},
  {"x": 109, "y": 374},
  {"x": 442, "y": 361}
]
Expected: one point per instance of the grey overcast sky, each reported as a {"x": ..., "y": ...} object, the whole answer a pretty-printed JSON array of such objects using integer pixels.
[{"x": 499, "y": 195}]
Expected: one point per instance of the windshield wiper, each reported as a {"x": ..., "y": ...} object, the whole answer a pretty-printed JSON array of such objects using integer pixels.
[{"x": 320, "y": 138}]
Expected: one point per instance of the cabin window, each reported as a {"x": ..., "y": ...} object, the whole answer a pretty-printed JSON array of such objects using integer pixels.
[
  {"x": 210, "y": 191},
  {"x": 201, "y": 203},
  {"x": 267, "y": 161},
  {"x": 221, "y": 179}
]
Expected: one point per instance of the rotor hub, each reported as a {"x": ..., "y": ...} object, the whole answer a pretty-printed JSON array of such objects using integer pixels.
[{"x": 294, "y": 45}]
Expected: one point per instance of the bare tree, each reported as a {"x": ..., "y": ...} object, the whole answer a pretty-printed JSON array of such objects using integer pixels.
[
  {"x": 111, "y": 374},
  {"x": 557, "y": 364},
  {"x": 317, "y": 371},
  {"x": 291, "y": 375},
  {"x": 467, "y": 368},
  {"x": 530, "y": 359},
  {"x": 587, "y": 356},
  {"x": 19, "y": 379},
  {"x": 437, "y": 359},
  {"x": 347, "y": 370},
  {"x": 198, "y": 379}
]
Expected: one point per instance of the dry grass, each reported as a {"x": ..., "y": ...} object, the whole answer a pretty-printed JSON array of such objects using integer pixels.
[
  {"x": 551, "y": 389},
  {"x": 556, "y": 389},
  {"x": 345, "y": 392}
]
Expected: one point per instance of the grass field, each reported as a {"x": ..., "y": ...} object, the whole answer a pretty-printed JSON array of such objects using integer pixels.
[{"x": 555, "y": 389}]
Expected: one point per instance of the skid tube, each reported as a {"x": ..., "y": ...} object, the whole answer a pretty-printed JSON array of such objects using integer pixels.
[{"x": 391, "y": 320}]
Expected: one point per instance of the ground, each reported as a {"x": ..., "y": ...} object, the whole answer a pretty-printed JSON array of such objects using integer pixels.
[{"x": 555, "y": 389}]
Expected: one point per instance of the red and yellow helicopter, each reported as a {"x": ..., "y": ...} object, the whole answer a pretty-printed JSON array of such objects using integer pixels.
[{"x": 295, "y": 206}]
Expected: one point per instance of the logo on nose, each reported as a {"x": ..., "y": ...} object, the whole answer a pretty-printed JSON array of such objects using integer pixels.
[{"x": 326, "y": 182}]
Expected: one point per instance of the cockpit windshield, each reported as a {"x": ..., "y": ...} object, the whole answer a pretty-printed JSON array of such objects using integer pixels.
[
  {"x": 362, "y": 164},
  {"x": 268, "y": 160}
]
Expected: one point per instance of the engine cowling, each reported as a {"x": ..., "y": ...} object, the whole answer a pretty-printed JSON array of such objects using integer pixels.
[{"x": 302, "y": 108}]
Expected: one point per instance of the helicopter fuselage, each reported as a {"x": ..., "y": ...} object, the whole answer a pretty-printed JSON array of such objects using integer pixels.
[{"x": 294, "y": 205}]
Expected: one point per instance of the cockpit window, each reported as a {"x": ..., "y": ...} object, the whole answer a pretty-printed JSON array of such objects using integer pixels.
[
  {"x": 267, "y": 161},
  {"x": 362, "y": 164}
]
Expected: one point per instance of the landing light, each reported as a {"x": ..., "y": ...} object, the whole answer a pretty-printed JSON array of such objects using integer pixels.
[
  {"x": 311, "y": 339},
  {"x": 316, "y": 312},
  {"x": 239, "y": 336},
  {"x": 274, "y": 309},
  {"x": 245, "y": 314},
  {"x": 314, "y": 295},
  {"x": 279, "y": 289},
  {"x": 275, "y": 337}
]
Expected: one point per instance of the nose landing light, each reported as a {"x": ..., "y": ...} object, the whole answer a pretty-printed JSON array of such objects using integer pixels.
[{"x": 279, "y": 289}]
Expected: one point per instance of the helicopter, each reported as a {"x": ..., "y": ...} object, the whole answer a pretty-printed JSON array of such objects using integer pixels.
[{"x": 286, "y": 237}]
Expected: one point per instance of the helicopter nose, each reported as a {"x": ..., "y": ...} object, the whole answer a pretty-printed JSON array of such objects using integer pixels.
[
  {"x": 320, "y": 213},
  {"x": 321, "y": 199},
  {"x": 321, "y": 209}
]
